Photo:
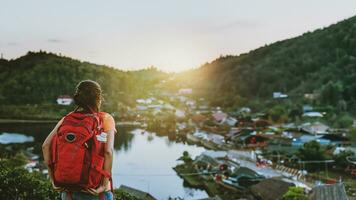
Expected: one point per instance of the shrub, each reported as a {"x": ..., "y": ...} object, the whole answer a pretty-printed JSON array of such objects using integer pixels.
[
  {"x": 295, "y": 193},
  {"x": 17, "y": 183}
]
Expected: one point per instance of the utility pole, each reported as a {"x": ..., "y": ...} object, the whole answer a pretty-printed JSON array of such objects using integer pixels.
[{"x": 2, "y": 56}]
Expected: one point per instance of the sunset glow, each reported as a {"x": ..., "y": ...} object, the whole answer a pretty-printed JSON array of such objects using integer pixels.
[{"x": 172, "y": 36}]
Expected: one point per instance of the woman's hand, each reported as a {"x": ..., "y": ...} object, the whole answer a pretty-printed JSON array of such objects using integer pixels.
[
  {"x": 96, "y": 191},
  {"x": 57, "y": 189}
]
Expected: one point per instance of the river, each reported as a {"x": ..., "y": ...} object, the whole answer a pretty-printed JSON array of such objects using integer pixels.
[{"x": 142, "y": 160}]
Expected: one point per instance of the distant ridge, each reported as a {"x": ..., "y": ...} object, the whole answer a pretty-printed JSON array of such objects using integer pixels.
[
  {"x": 40, "y": 77},
  {"x": 314, "y": 62}
]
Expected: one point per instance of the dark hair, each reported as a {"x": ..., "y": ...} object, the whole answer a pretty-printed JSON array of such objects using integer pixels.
[{"x": 88, "y": 95}]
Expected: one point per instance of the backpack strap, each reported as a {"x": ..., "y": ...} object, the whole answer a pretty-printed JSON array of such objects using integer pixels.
[
  {"x": 101, "y": 171},
  {"x": 70, "y": 195}
]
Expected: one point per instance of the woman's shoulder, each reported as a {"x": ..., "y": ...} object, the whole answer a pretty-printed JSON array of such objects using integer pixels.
[
  {"x": 108, "y": 121},
  {"x": 106, "y": 116}
]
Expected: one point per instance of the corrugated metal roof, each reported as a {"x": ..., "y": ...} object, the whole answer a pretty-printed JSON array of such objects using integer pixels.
[{"x": 330, "y": 192}]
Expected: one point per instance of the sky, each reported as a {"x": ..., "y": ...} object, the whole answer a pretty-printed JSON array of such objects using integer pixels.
[{"x": 172, "y": 35}]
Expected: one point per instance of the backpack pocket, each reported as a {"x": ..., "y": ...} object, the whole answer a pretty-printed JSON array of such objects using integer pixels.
[
  {"x": 95, "y": 174},
  {"x": 70, "y": 164}
]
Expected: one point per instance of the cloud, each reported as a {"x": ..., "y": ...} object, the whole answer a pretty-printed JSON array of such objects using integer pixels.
[{"x": 54, "y": 40}]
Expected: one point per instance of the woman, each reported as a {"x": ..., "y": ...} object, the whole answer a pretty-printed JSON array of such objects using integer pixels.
[{"x": 88, "y": 98}]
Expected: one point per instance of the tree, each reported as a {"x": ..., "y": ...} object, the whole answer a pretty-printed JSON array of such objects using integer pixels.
[
  {"x": 278, "y": 113},
  {"x": 345, "y": 121},
  {"x": 186, "y": 158},
  {"x": 331, "y": 93},
  {"x": 340, "y": 159},
  {"x": 311, "y": 151}
]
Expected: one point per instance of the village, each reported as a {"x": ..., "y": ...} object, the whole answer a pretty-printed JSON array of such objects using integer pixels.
[{"x": 249, "y": 154}]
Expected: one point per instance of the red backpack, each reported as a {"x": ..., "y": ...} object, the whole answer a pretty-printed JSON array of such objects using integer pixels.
[{"x": 77, "y": 155}]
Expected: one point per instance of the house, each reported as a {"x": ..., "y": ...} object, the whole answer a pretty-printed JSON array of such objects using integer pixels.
[
  {"x": 179, "y": 113},
  {"x": 307, "y": 108},
  {"x": 236, "y": 134},
  {"x": 279, "y": 95},
  {"x": 245, "y": 121},
  {"x": 64, "y": 100},
  {"x": 313, "y": 114},
  {"x": 337, "y": 139},
  {"x": 249, "y": 138},
  {"x": 261, "y": 123},
  {"x": 196, "y": 137},
  {"x": 185, "y": 91},
  {"x": 198, "y": 119},
  {"x": 136, "y": 193},
  {"x": 255, "y": 141},
  {"x": 219, "y": 116},
  {"x": 244, "y": 177},
  {"x": 182, "y": 99},
  {"x": 308, "y": 138},
  {"x": 329, "y": 192},
  {"x": 190, "y": 103},
  {"x": 230, "y": 121},
  {"x": 271, "y": 189},
  {"x": 245, "y": 110},
  {"x": 215, "y": 154},
  {"x": 241, "y": 112},
  {"x": 311, "y": 96},
  {"x": 233, "y": 131},
  {"x": 203, "y": 108},
  {"x": 316, "y": 128},
  {"x": 205, "y": 161},
  {"x": 141, "y": 108},
  {"x": 144, "y": 101},
  {"x": 213, "y": 140}
]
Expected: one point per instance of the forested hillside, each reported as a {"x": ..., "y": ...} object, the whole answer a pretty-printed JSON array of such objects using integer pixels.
[
  {"x": 322, "y": 62},
  {"x": 40, "y": 77}
]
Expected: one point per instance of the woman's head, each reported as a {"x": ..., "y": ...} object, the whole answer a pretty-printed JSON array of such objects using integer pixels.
[{"x": 88, "y": 95}]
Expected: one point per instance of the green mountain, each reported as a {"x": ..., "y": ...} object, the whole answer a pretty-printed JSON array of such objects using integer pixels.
[
  {"x": 40, "y": 77},
  {"x": 322, "y": 62}
]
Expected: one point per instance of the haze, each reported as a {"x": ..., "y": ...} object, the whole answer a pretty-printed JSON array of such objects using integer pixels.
[{"x": 172, "y": 35}]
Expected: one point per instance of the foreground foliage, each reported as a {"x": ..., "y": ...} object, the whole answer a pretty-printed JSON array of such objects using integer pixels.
[{"x": 18, "y": 184}]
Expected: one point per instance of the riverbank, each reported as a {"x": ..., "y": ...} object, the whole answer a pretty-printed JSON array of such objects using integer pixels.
[
  {"x": 195, "y": 180},
  {"x": 34, "y": 112}
]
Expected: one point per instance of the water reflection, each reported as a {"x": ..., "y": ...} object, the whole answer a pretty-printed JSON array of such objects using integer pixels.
[
  {"x": 38, "y": 131},
  {"x": 148, "y": 165},
  {"x": 9, "y": 138},
  {"x": 122, "y": 140}
]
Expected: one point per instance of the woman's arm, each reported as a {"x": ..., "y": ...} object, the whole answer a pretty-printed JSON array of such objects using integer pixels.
[
  {"x": 108, "y": 156},
  {"x": 46, "y": 148},
  {"x": 109, "y": 128}
]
